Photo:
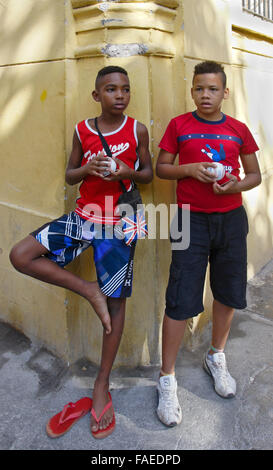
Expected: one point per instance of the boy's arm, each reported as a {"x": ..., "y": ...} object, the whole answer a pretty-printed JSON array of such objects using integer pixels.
[
  {"x": 144, "y": 174},
  {"x": 166, "y": 169},
  {"x": 75, "y": 173},
  {"x": 252, "y": 177}
]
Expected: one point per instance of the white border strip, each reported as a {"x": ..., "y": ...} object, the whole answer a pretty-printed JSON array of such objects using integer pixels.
[{"x": 109, "y": 133}]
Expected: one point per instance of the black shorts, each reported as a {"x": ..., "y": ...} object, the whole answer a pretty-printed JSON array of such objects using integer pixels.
[{"x": 217, "y": 238}]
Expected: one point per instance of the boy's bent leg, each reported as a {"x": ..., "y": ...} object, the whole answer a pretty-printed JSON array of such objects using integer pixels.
[
  {"x": 28, "y": 257},
  {"x": 110, "y": 347}
]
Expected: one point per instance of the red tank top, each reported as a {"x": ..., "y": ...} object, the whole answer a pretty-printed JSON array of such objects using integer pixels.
[{"x": 98, "y": 198}]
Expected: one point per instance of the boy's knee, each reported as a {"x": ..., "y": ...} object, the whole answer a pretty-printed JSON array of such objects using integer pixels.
[
  {"x": 16, "y": 258},
  {"x": 13, "y": 257},
  {"x": 116, "y": 305}
]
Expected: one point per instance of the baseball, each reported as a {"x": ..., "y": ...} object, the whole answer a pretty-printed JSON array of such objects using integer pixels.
[
  {"x": 218, "y": 171},
  {"x": 113, "y": 168},
  {"x": 113, "y": 165}
]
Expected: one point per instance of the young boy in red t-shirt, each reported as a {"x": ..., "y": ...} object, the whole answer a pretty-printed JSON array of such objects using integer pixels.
[
  {"x": 218, "y": 227},
  {"x": 44, "y": 253}
]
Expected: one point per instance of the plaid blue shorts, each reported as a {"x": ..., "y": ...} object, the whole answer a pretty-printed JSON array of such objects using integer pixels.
[{"x": 67, "y": 237}]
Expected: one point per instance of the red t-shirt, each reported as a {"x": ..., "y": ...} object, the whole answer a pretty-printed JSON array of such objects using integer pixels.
[
  {"x": 198, "y": 140},
  {"x": 98, "y": 198}
]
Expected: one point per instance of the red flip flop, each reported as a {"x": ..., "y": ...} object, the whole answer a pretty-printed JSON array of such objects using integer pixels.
[
  {"x": 102, "y": 433},
  {"x": 71, "y": 413}
]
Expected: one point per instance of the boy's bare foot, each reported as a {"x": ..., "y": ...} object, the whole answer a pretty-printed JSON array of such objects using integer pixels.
[
  {"x": 100, "y": 400},
  {"x": 99, "y": 303}
]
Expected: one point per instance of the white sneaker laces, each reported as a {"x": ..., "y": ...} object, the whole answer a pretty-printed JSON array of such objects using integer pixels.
[
  {"x": 222, "y": 371},
  {"x": 168, "y": 397}
]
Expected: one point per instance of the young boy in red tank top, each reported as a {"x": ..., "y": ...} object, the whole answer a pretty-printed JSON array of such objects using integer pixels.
[{"x": 45, "y": 252}]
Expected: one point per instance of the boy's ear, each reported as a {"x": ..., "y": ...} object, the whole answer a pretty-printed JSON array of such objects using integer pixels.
[
  {"x": 226, "y": 93},
  {"x": 95, "y": 95}
]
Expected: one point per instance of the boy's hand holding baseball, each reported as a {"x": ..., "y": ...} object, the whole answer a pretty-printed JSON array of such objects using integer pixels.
[
  {"x": 200, "y": 171},
  {"x": 98, "y": 165},
  {"x": 123, "y": 172}
]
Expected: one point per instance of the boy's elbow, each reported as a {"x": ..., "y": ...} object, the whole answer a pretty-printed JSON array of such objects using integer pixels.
[
  {"x": 150, "y": 176},
  {"x": 158, "y": 171},
  {"x": 68, "y": 179},
  {"x": 258, "y": 179},
  {"x": 146, "y": 177}
]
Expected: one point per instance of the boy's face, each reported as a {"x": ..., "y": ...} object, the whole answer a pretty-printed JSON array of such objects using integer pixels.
[
  {"x": 208, "y": 92},
  {"x": 113, "y": 92}
]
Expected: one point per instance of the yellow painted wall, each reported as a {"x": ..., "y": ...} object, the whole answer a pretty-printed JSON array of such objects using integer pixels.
[
  {"x": 32, "y": 126},
  {"x": 50, "y": 53}
]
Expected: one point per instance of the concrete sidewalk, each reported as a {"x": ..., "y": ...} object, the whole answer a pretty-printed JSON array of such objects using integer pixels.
[{"x": 34, "y": 385}]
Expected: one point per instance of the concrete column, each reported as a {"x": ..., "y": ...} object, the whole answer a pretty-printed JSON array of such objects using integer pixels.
[{"x": 139, "y": 36}]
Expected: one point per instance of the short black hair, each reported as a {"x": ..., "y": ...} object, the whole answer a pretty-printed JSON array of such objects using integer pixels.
[
  {"x": 209, "y": 66},
  {"x": 107, "y": 70}
]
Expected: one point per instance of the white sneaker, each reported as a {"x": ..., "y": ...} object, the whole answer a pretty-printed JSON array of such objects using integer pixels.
[
  {"x": 168, "y": 410},
  {"x": 224, "y": 384}
]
